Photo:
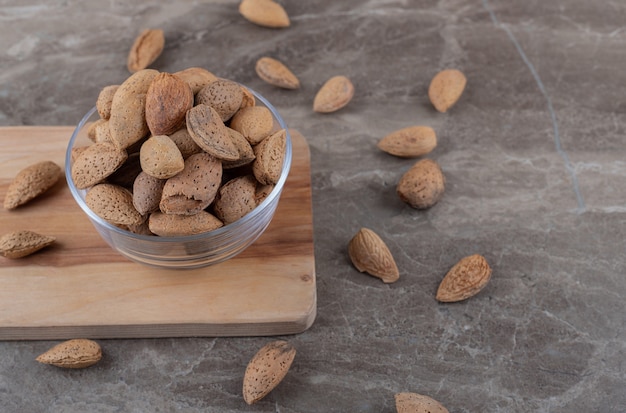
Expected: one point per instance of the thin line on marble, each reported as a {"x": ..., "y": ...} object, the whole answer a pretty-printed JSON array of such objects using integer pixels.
[{"x": 544, "y": 92}]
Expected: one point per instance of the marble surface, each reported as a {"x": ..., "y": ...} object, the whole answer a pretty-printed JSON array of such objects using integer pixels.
[{"x": 534, "y": 157}]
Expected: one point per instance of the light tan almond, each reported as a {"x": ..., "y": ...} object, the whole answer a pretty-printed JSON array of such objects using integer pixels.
[
  {"x": 105, "y": 100},
  {"x": 222, "y": 95},
  {"x": 446, "y": 88},
  {"x": 167, "y": 101},
  {"x": 73, "y": 354},
  {"x": 248, "y": 98},
  {"x": 113, "y": 204},
  {"x": 255, "y": 123},
  {"x": 266, "y": 13},
  {"x": 100, "y": 131},
  {"x": 423, "y": 185},
  {"x": 146, "y": 48},
  {"x": 170, "y": 225},
  {"x": 465, "y": 279},
  {"x": 409, "y": 142},
  {"x": 267, "y": 369},
  {"x": 276, "y": 73},
  {"x": 31, "y": 182},
  {"x": 160, "y": 157},
  {"x": 370, "y": 254},
  {"x": 417, "y": 403},
  {"x": 96, "y": 163},
  {"x": 128, "y": 109},
  {"x": 270, "y": 156},
  {"x": 18, "y": 244},
  {"x": 235, "y": 198},
  {"x": 196, "y": 77},
  {"x": 336, "y": 93},
  {"x": 209, "y": 132}
]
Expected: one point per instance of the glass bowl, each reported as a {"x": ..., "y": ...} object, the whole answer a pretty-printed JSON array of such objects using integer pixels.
[{"x": 191, "y": 251}]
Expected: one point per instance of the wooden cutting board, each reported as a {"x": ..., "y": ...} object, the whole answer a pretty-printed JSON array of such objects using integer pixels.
[{"x": 80, "y": 287}]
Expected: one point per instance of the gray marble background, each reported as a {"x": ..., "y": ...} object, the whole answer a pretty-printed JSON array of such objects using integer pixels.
[{"x": 534, "y": 160}]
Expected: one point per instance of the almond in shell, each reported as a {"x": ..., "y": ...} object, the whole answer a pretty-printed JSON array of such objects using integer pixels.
[
  {"x": 167, "y": 101},
  {"x": 209, "y": 132},
  {"x": 423, "y": 185},
  {"x": 409, "y": 142},
  {"x": 255, "y": 123},
  {"x": 266, "y": 13},
  {"x": 170, "y": 225},
  {"x": 465, "y": 279},
  {"x": 270, "y": 156},
  {"x": 334, "y": 94},
  {"x": 370, "y": 254},
  {"x": 104, "y": 101},
  {"x": 160, "y": 157},
  {"x": 446, "y": 88},
  {"x": 31, "y": 182},
  {"x": 146, "y": 48},
  {"x": 267, "y": 369},
  {"x": 196, "y": 77},
  {"x": 96, "y": 163},
  {"x": 113, "y": 204},
  {"x": 276, "y": 73},
  {"x": 417, "y": 403},
  {"x": 73, "y": 354},
  {"x": 222, "y": 95},
  {"x": 19, "y": 244},
  {"x": 235, "y": 198}
]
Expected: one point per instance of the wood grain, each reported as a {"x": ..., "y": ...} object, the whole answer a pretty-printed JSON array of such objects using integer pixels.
[{"x": 80, "y": 287}]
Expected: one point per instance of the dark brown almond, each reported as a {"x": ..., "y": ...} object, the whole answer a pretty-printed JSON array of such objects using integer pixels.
[
  {"x": 167, "y": 101},
  {"x": 209, "y": 132},
  {"x": 96, "y": 163},
  {"x": 235, "y": 199},
  {"x": 222, "y": 95},
  {"x": 19, "y": 244},
  {"x": 270, "y": 156},
  {"x": 170, "y": 225},
  {"x": 255, "y": 123},
  {"x": 31, "y": 182},
  {"x": 194, "y": 188}
]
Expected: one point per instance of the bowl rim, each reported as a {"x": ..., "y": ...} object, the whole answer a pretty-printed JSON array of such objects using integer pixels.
[{"x": 226, "y": 229}]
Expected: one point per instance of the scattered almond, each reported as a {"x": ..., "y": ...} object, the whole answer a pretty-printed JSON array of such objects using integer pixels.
[
  {"x": 167, "y": 101},
  {"x": 417, "y": 403},
  {"x": 446, "y": 88},
  {"x": 409, "y": 142},
  {"x": 267, "y": 369},
  {"x": 466, "y": 278},
  {"x": 370, "y": 254},
  {"x": 146, "y": 48},
  {"x": 336, "y": 93},
  {"x": 31, "y": 182},
  {"x": 276, "y": 73},
  {"x": 73, "y": 354},
  {"x": 266, "y": 13},
  {"x": 423, "y": 185},
  {"x": 18, "y": 244}
]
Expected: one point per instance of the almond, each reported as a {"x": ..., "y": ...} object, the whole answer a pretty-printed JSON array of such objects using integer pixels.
[
  {"x": 222, "y": 95},
  {"x": 31, "y": 182},
  {"x": 146, "y": 48},
  {"x": 336, "y": 93},
  {"x": 18, "y": 244},
  {"x": 370, "y": 254},
  {"x": 167, "y": 101},
  {"x": 160, "y": 157},
  {"x": 105, "y": 100},
  {"x": 73, "y": 354},
  {"x": 170, "y": 225},
  {"x": 267, "y": 369},
  {"x": 246, "y": 153},
  {"x": 465, "y": 279},
  {"x": 113, "y": 204},
  {"x": 185, "y": 143},
  {"x": 266, "y": 13},
  {"x": 423, "y": 185},
  {"x": 270, "y": 156},
  {"x": 147, "y": 192},
  {"x": 208, "y": 131},
  {"x": 417, "y": 403},
  {"x": 446, "y": 88},
  {"x": 248, "y": 98},
  {"x": 235, "y": 199},
  {"x": 255, "y": 123},
  {"x": 409, "y": 142},
  {"x": 196, "y": 77},
  {"x": 276, "y": 73},
  {"x": 96, "y": 163}
]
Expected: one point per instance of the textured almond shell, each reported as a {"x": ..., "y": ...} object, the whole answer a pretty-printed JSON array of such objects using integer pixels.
[
  {"x": 266, "y": 13},
  {"x": 167, "y": 101},
  {"x": 409, "y": 142},
  {"x": 465, "y": 279},
  {"x": 31, "y": 182},
  {"x": 417, "y": 403},
  {"x": 147, "y": 46},
  {"x": 267, "y": 369},
  {"x": 446, "y": 88},
  {"x": 170, "y": 225},
  {"x": 19, "y": 244},
  {"x": 270, "y": 155},
  {"x": 336, "y": 93},
  {"x": 370, "y": 254},
  {"x": 276, "y": 73},
  {"x": 208, "y": 131},
  {"x": 423, "y": 185},
  {"x": 160, "y": 157},
  {"x": 72, "y": 354},
  {"x": 96, "y": 163},
  {"x": 255, "y": 123},
  {"x": 235, "y": 198},
  {"x": 196, "y": 77},
  {"x": 113, "y": 204}
]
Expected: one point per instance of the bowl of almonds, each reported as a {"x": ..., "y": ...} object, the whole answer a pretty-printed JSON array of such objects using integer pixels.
[{"x": 179, "y": 170}]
